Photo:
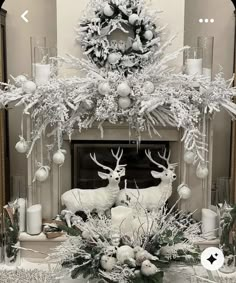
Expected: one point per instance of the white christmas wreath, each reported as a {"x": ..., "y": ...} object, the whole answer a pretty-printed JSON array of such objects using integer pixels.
[{"x": 130, "y": 17}]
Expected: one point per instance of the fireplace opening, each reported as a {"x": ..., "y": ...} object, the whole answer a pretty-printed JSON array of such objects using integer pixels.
[{"x": 138, "y": 169}]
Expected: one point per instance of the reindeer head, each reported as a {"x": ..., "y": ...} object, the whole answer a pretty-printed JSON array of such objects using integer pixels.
[
  {"x": 168, "y": 174},
  {"x": 113, "y": 175}
]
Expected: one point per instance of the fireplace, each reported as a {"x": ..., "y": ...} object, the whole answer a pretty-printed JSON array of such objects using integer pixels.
[{"x": 84, "y": 170}]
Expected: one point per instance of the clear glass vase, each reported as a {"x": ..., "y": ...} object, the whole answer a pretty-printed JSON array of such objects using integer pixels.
[
  {"x": 193, "y": 61},
  {"x": 36, "y": 41}
]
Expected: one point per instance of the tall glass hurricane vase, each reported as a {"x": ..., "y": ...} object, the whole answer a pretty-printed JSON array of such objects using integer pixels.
[{"x": 36, "y": 41}]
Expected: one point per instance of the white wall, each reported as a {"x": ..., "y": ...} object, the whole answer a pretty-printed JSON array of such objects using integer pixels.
[
  {"x": 42, "y": 22},
  {"x": 223, "y": 31}
]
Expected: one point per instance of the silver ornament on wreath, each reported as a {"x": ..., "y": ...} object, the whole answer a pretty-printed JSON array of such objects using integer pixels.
[
  {"x": 108, "y": 10},
  {"x": 124, "y": 102},
  {"x": 114, "y": 58},
  {"x": 202, "y": 171},
  {"x": 108, "y": 262},
  {"x": 59, "y": 157},
  {"x": 42, "y": 174},
  {"x": 189, "y": 157},
  {"x": 184, "y": 191},
  {"x": 149, "y": 87},
  {"x": 20, "y": 80},
  {"x": 123, "y": 89},
  {"x": 104, "y": 88},
  {"x": 22, "y": 145},
  {"x": 29, "y": 87}
]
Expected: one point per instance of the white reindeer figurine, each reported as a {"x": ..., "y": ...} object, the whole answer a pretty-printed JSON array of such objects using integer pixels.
[
  {"x": 100, "y": 199},
  {"x": 154, "y": 197}
]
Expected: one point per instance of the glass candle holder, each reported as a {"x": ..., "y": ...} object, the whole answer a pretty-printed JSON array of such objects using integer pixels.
[
  {"x": 36, "y": 41},
  {"x": 43, "y": 64},
  {"x": 193, "y": 61},
  {"x": 206, "y": 43}
]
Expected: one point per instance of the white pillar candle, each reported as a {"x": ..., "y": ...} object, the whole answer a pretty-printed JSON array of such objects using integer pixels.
[
  {"x": 194, "y": 66},
  {"x": 34, "y": 219},
  {"x": 122, "y": 218},
  {"x": 42, "y": 73},
  {"x": 209, "y": 224},
  {"x": 207, "y": 72},
  {"x": 22, "y": 212}
]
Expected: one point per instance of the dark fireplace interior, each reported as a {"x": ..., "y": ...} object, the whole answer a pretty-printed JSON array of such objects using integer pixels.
[{"x": 84, "y": 170}]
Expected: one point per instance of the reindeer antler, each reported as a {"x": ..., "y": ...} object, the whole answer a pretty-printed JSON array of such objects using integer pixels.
[
  {"x": 98, "y": 163},
  {"x": 149, "y": 156},
  {"x": 118, "y": 156},
  {"x": 167, "y": 159}
]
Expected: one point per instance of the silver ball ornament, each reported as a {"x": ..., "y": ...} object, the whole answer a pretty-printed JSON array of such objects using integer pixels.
[
  {"x": 41, "y": 174},
  {"x": 202, "y": 171},
  {"x": 108, "y": 262},
  {"x": 189, "y": 157},
  {"x": 58, "y": 157},
  {"x": 133, "y": 19},
  {"x": 124, "y": 253},
  {"x": 184, "y": 191},
  {"x": 29, "y": 87},
  {"x": 124, "y": 102},
  {"x": 21, "y": 146},
  {"x": 19, "y": 80},
  {"x": 123, "y": 89},
  {"x": 148, "y": 35},
  {"x": 149, "y": 87},
  {"x": 136, "y": 46},
  {"x": 108, "y": 11},
  {"x": 104, "y": 88},
  {"x": 114, "y": 58}
]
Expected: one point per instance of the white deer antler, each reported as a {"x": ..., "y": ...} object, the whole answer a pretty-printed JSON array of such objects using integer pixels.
[
  {"x": 167, "y": 159},
  {"x": 118, "y": 156},
  {"x": 149, "y": 156},
  {"x": 93, "y": 157}
]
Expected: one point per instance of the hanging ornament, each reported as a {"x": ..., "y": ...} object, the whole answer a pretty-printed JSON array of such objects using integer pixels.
[
  {"x": 149, "y": 87},
  {"x": 108, "y": 11},
  {"x": 133, "y": 19},
  {"x": 42, "y": 174},
  {"x": 29, "y": 87},
  {"x": 19, "y": 80},
  {"x": 189, "y": 157},
  {"x": 59, "y": 157},
  {"x": 108, "y": 262},
  {"x": 114, "y": 58},
  {"x": 124, "y": 253},
  {"x": 184, "y": 191},
  {"x": 148, "y": 268},
  {"x": 202, "y": 171},
  {"x": 124, "y": 102},
  {"x": 123, "y": 89},
  {"x": 104, "y": 88},
  {"x": 22, "y": 145},
  {"x": 148, "y": 35}
]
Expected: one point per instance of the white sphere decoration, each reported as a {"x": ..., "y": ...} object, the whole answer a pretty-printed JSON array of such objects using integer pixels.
[
  {"x": 148, "y": 35},
  {"x": 189, "y": 157},
  {"x": 114, "y": 58},
  {"x": 123, "y": 89},
  {"x": 184, "y": 191},
  {"x": 202, "y": 171},
  {"x": 133, "y": 19},
  {"x": 104, "y": 88},
  {"x": 149, "y": 87},
  {"x": 29, "y": 87},
  {"x": 21, "y": 146},
  {"x": 58, "y": 157},
  {"x": 41, "y": 174},
  {"x": 108, "y": 11},
  {"x": 136, "y": 46},
  {"x": 124, "y": 102},
  {"x": 108, "y": 262},
  {"x": 19, "y": 80},
  {"x": 123, "y": 253}
]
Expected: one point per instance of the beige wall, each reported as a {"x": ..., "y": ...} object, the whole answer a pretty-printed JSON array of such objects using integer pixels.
[
  {"x": 223, "y": 31},
  {"x": 42, "y": 22}
]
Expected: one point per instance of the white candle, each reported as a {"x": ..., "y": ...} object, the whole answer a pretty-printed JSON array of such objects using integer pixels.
[
  {"x": 122, "y": 218},
  {"x": 209, "y": 224},
  {"x": 22, "y": 207},
  {"x": 194, "y": 66},
  {"x": 42, "y": 73},
  {"x": 34, "y": 219}
]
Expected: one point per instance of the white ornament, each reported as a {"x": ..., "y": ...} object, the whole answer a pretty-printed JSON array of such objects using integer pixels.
[
  {"x": 189, "y": 157},
  {"x": 21, "y": 146},
  {"x": 58, "y": 157},
  {"x": 133, "y": 19},
  {"x": 123, "y": 89},
  {"x": 149, "y": 87},
  {"x": 124, "y": 102},
  {"x": 148, "y": 35},
  {"x": 136, "y": 46},
  {"x": 42, "y": 174},
  {"x": 19, "y": 80},
  {"x": 184, "y": 191},
  {"x": 141, "y": 255},
  {"x": 148, "y": 269},
  {"x": 202, "y": 171},
  {"x": 108, "y": 262},
  {"x": 114, "y": 58},
  {"x": 104, "y": 88},
  {"x": 108, "y": 11},
  {"x": 124, "y": 253},
  {"x": 29, "y": 87}
]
